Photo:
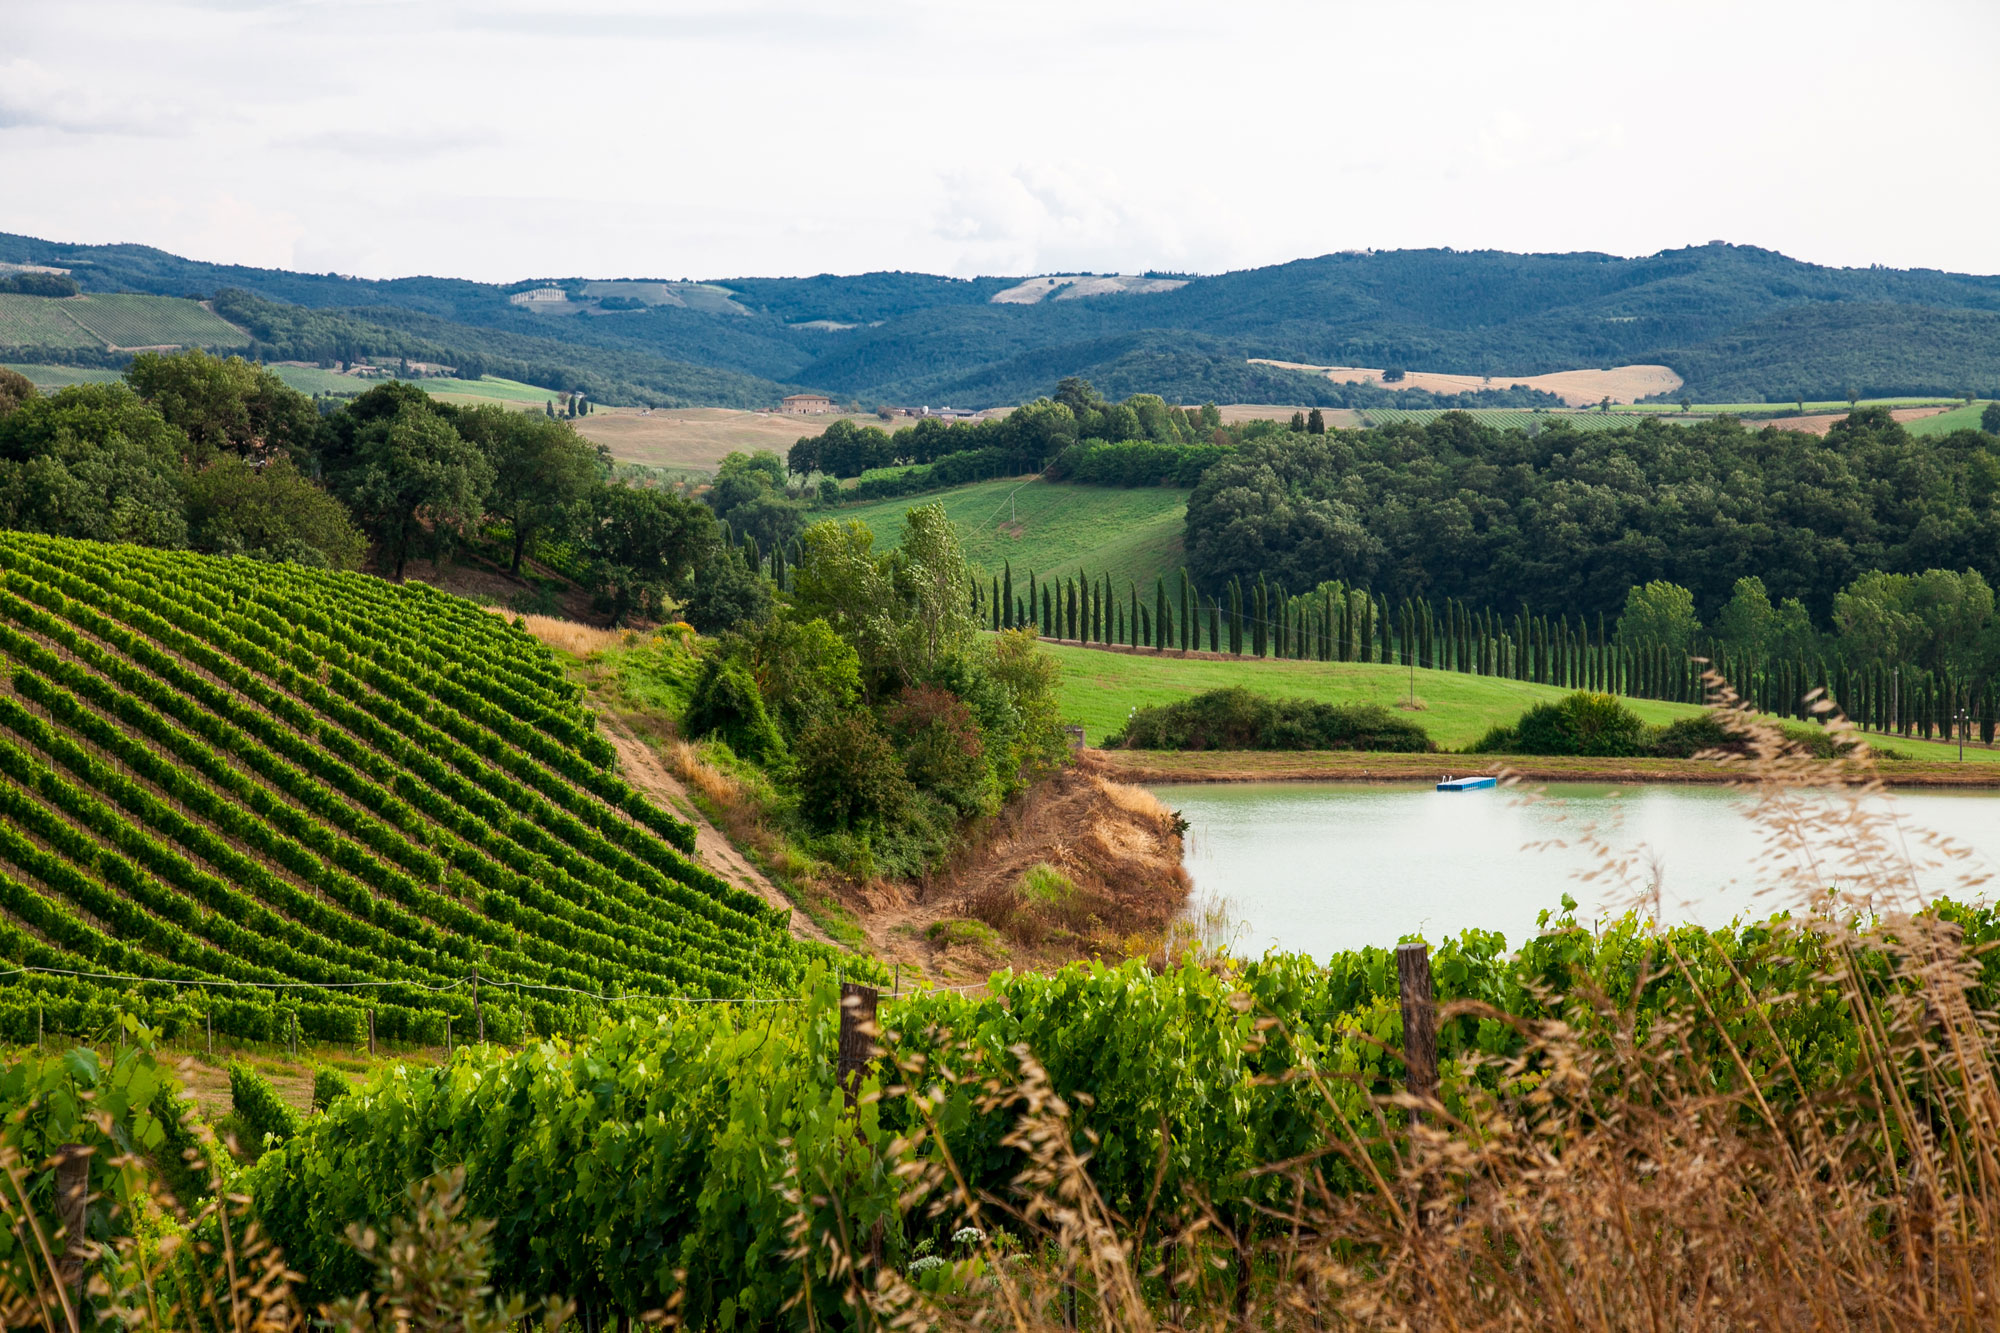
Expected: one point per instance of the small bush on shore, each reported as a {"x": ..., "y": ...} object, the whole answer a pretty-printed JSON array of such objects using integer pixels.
[{"x": 1238, "y": 719}]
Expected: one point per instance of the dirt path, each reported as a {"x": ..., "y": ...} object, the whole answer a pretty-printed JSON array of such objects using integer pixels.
[{"x": 644, "y": 770}]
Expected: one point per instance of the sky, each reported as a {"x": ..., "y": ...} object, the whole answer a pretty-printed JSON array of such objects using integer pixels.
[{"x": 506, "y": 139}]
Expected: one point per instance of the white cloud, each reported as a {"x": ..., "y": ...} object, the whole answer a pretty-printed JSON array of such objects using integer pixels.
[
  {"x": 499, "y": 138},
  {"x": 33, "y": 96}
]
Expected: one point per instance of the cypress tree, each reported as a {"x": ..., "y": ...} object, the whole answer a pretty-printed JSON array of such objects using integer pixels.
[
  {"x": 1364, "y": 637},
  {"x": 1007, "y": 593},
  {"x": 1235, "y": 617},
  {"x": 1214, "y": 626},
  {"x": 996, "y": 604},
  {"x": 1132, "y": 621},
  {"x": 1187, "y": 621},
  {"x": 1258, "y": 599},
  {"x": 1163, "y": 629}
]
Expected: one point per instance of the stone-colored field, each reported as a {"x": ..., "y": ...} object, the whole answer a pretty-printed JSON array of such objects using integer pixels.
[{"x": 1577, "y": 388}]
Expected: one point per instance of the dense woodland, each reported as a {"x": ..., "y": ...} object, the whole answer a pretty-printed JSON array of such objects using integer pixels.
[{"x": 1563, "y": 519}]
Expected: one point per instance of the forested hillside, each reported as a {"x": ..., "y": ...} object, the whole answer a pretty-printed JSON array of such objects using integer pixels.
[
  {"x": 1738, "y": 323},
  {"x": 1573, "y": 520},
  {"x": 295, "y": 798}
]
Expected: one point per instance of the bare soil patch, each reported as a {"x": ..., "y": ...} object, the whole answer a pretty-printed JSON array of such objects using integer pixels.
[
  {"x": 1819, "y": 423},
  {"x": 1117, "y": 847}
]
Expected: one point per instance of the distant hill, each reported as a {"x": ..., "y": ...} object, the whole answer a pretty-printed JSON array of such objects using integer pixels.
[{"x": 1736, "y": 322}]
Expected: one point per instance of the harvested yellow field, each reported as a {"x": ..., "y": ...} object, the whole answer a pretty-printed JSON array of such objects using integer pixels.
[
  {"x": 1337, "y": 418},
  {"x": 1577, "y": 388}
]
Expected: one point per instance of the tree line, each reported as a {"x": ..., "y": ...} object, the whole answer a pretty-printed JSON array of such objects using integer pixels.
[
  {"x": 1916, "y": 656},
  {"x": 221, "y": 456}
]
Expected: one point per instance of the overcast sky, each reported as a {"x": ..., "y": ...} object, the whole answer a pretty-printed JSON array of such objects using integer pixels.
[{"x": 501, "y": 139}]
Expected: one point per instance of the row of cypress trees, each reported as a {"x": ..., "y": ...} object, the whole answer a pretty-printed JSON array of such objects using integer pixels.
[{"x": 1335, "y": 623}]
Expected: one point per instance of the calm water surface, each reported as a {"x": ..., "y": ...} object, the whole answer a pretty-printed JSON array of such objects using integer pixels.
[{"x": 1321, "y": 867}]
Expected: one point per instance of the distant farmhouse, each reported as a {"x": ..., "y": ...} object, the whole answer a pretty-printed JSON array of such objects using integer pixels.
[
  {"x": 539, "y": 295},
  {"x": 808, "y": 404}
]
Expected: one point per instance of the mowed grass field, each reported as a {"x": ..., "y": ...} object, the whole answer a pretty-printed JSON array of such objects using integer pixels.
[
  {"x": 1964, "y": 417},
  {"x": 1051, "y": 528},
  {"x": 1100, "y": 689}
]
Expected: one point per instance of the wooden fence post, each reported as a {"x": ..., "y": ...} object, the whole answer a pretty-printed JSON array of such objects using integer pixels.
[
  {"x": 1420, "y": 1031},
  {"x": 208, "y": 1023},
  {"x": 371, "y": 1032},
  {"x": 72, "y": 1196},
  {"x": 857, "y": 1011},
  {"x": 447, "y": 1036},
  {"x": 478, "y": 1017}
]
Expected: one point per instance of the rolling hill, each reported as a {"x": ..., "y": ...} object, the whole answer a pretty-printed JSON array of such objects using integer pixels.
[
  {"x": 1735, "y": 322},
  {"x": 285, "y": 796},
  {"x": 1051, "y": 528}
]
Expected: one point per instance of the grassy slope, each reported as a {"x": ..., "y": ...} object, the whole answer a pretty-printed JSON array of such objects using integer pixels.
[
  {"x": 1100, "y": 689},
  {"x": 1944, "y": 423},
  {"x": 1132, "y": 535}
]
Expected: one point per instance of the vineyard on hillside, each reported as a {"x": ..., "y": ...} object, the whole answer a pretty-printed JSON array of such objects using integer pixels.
[
  {"x": 299, "y": 802},
  {"x": 39, "y": 321},
  {"x": 154, "y": 321}
]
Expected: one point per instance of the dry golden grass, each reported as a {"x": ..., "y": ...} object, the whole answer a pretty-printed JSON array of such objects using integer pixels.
[
  {"x": 568, "y": 636},
  {"x": 1577, "y": 388},
  {"x": 699, "y": 437}
]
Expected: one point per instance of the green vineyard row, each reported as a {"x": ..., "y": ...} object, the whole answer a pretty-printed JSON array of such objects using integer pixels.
[
  {"x": 668, "y": 1161},
  {"x": 243, "y": 775}
]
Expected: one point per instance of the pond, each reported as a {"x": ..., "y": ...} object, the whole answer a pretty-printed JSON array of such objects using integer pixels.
[{"x": 1322, "y": 867}]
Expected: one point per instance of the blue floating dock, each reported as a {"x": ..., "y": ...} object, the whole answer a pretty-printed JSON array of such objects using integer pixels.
[{"x": 1466, "y": 784}]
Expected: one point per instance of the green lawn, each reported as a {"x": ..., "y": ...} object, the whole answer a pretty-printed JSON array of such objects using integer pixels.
[
  {"x": 1100, "y": 690},
  {"x": 1052, "y": 528}
]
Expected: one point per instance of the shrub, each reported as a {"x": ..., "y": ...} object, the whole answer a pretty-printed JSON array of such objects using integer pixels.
[
  {"x": 1686, "y": 737},
  {"x": 848, "y": 774},
  {"x": 1237, "y": 719},
  {"x": 726, "y": 704},
  {"x": 1578, "y": 724},
  {"x": 942, "y": 752}
]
